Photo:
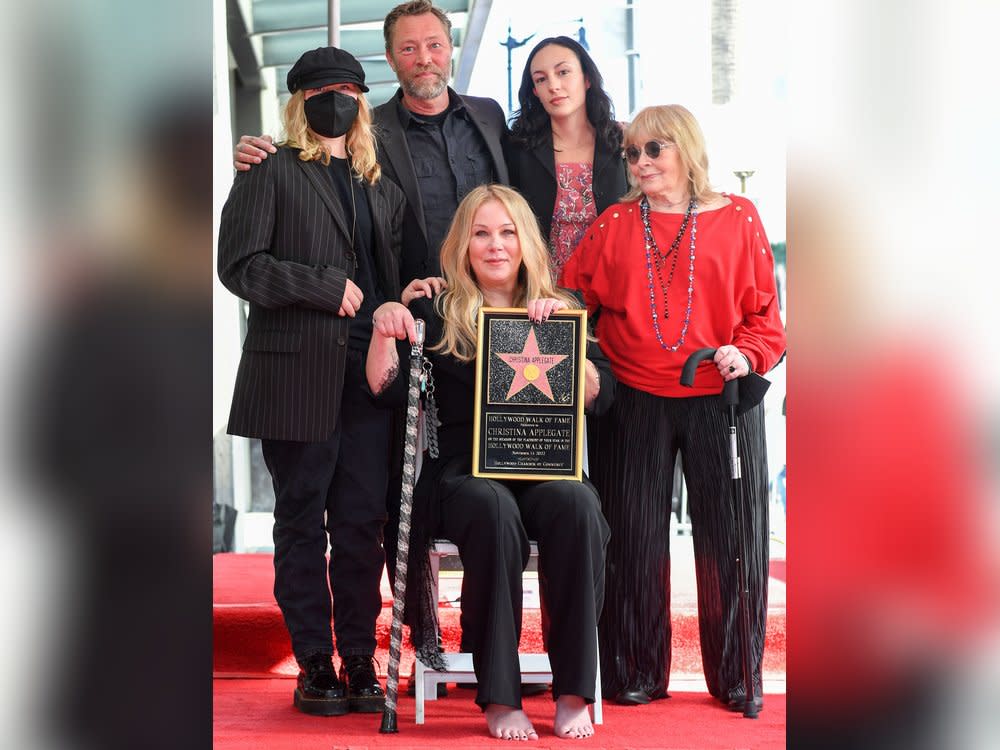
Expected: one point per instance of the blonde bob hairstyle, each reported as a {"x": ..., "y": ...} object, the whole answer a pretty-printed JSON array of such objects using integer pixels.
[
  {"x": 360, "y": 138},
  {"x": 459, "y": 304},
  {"x": 672, "y": 122}
]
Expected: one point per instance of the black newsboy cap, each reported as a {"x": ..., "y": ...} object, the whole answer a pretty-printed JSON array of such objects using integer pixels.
[{"x": 323, "y": 66}]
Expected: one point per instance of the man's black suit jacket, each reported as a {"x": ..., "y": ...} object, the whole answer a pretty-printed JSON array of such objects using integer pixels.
[
  {"x": 285, "y": 247},
  {"x": 418, "y": 260}
]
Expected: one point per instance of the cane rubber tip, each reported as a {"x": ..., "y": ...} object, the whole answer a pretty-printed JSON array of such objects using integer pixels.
[{"x": 389, "y": 724}]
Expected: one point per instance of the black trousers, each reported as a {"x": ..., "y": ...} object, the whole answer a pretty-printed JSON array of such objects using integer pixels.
[
  {"x": 332, "y": 493},
  {"x": 491, "y": 523},
  {"x": 636, "y": 446}
]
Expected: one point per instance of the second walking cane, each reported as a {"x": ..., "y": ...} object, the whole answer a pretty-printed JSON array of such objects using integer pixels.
[
  {"x": 755, "y": 387},
  {"x": 389, "y": 719}
]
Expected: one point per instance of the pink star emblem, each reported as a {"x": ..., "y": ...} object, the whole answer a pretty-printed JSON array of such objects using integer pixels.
[{"x": 530, "y": 367}]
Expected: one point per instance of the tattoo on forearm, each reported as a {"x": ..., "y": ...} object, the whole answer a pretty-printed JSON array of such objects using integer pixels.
[{"x": 387, "y": 379}]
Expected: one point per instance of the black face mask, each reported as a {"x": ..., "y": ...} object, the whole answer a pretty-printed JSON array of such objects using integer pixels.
[{"x": 331, "y": 113}]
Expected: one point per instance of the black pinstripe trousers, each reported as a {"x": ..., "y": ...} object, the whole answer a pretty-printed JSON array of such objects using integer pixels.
[
  {"x": 634, "y": 448},
  {"x": 332, "y": 490}
]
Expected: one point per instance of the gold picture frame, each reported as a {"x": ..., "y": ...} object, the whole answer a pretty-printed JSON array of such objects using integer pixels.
[{"x": 530, "y": 380}]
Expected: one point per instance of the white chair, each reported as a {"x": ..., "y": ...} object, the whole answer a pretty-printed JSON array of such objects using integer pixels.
[{"x": 535, "y": 668}]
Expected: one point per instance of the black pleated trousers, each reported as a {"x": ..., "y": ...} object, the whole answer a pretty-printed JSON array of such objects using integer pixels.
[
  {"x": 491, "y": 522},
  {"x": 634, "y": 449}
]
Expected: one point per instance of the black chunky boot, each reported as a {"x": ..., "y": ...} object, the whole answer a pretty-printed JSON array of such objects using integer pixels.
[
  {"x": 364, "y": 694},
  {"x": 317, "y": 690}
]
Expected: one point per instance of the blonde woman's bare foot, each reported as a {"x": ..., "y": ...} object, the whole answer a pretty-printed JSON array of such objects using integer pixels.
[
  {"x": 508, "y": 723},
  {"x": 572, "y": 718}
]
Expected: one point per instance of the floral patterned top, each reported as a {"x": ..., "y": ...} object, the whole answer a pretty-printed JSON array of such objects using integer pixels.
[{"x": 574, "y": 211}]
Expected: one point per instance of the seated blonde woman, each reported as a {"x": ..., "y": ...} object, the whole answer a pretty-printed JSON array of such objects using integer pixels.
[{"x": 494, "y": 256}]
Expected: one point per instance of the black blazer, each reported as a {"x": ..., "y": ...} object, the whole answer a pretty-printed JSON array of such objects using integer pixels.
[
  {"x": 418, "y": 260},
  {"x": 285, "y": 247},
  {"x": 533, "y": 173}
]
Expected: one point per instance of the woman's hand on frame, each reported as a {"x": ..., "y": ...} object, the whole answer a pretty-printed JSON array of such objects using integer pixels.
[{"x": 540, "y": 309}]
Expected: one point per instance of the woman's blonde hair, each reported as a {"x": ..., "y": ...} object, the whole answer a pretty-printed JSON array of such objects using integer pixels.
[
  {"x": 360, "y": 138},
  {"x": 674, "y": 123},
  {"x": 459, "y": 304}
]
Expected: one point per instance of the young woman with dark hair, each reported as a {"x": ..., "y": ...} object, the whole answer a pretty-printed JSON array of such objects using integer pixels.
[{"x": 564, "y": 149}]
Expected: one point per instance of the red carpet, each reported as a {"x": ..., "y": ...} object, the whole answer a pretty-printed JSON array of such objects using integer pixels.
[
  {"x": 258, "y": 714},
  {"x": 250, "y": 641}
]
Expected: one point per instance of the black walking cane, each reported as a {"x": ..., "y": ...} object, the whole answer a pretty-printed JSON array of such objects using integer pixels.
[
  {"x": 731, "y": 399},
  {"x": 389, "y": 725}
]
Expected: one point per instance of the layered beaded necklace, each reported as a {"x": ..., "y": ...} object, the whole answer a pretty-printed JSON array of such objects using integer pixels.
[{"x": 656, "y": 257}]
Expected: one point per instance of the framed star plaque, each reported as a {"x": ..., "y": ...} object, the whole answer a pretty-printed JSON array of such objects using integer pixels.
[{"x": 529, "y": 395}]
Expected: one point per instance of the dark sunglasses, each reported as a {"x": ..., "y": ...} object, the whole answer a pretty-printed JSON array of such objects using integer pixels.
[{"x": 652, "y": 149}]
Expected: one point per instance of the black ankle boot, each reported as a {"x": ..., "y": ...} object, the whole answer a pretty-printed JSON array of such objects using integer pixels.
[
  {"x": 364, "y": 694},
  {"x": 737, "y": 695},
  {"x": 317, "y": 690},
  {"x": 632, "y": 697}
]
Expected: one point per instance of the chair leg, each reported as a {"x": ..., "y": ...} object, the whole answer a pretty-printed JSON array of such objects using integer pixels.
[
  {"x": 435, "y": 565},
  {"x": 598, "y": 706},
  {"x": 418, "y": 689}
]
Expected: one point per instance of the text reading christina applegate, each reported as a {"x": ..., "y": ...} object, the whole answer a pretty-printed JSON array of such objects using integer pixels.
[{"x": 529, "y": 441}]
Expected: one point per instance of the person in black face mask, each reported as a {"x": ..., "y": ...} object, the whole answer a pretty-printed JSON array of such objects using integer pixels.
[
  {"x": 311, "y": 240},
  {"x": 331, "y": 113}
]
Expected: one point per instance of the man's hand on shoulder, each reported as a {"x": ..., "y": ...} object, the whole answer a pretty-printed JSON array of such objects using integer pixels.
[{"x": 252, "y": 149}]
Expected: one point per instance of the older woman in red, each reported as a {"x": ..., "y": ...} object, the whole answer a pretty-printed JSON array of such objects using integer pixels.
[{"x": 672, "y": 268}]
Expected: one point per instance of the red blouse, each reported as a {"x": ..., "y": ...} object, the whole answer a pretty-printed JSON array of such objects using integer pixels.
[
  {"x": 734, "y": 299},
  {"x": 573, "y": 213}
]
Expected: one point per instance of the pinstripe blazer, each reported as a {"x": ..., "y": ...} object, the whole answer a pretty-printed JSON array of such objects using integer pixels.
[{"x": 285, "y": 247}]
